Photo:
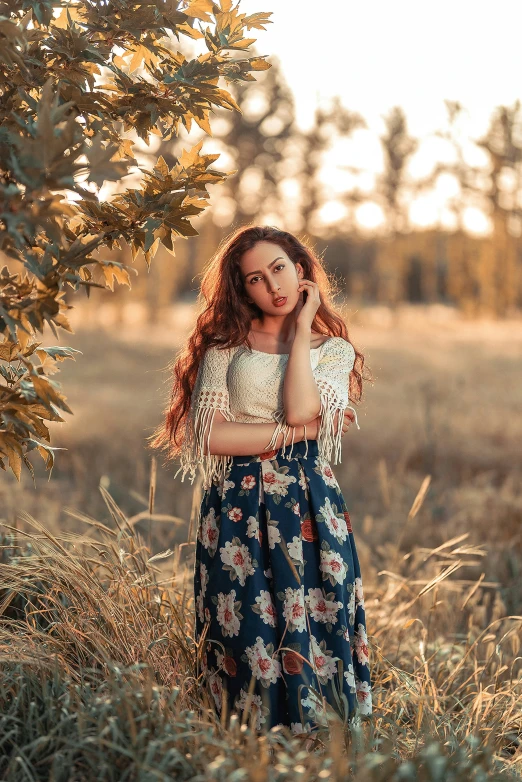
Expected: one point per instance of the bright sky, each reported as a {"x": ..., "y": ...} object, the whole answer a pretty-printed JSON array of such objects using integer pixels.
[{"x": 376, "y": 54}]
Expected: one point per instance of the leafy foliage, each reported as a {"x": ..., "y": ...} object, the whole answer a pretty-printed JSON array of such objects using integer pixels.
[{"x": 80, "y": 84}]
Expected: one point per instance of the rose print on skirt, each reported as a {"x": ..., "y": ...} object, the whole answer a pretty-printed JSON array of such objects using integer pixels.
[{"x": 279, "y": 595}]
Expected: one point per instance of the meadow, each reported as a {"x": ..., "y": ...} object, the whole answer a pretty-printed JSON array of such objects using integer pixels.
[{"x": 99, "y": 675}]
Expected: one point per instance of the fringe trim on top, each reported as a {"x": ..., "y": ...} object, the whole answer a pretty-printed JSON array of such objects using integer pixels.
[
  {"x": 193, "y": 453},
  {"x": 282, "y": 426},
  {"x": 327, "y": 438}
]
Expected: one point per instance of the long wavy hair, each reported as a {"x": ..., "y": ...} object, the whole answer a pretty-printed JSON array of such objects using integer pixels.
[{"x": 225, "y": 320}]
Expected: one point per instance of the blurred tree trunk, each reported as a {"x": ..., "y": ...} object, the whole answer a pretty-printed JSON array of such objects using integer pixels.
[
  {"x": 497, "y": 259},
  {"x": 329, "y": 125},
  {"x": 502, "y": 143},
  {"x": 393, "y": 194}
]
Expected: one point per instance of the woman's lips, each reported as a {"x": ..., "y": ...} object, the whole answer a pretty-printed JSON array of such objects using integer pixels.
[{"x": 281, "y": 301}]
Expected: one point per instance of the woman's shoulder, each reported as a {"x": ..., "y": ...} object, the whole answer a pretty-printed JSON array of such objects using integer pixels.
[
  {"x": 338, "y": 345},
  {"x": 219, "y": 352},
  {"x": 336, "y": 354},
  {"x": 214, "y": 363}
]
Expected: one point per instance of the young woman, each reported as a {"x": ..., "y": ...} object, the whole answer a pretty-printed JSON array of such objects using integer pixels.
[{"x": 262, "y": 390}]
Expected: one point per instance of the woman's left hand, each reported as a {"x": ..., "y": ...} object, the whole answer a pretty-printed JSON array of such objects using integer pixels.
[
  {"x": 306, "y": 311},
  {"x": 348, "y": 418}
]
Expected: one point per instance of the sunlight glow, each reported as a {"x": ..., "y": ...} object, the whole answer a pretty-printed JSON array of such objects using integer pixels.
[
  {"x": 370, "y": 215},
  {"x": 475, "y": 221},
  {"x": 332, "y": 212}
]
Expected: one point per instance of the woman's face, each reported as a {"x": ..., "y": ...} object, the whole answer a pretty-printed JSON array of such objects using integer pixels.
[{"x": 268, "y": 273}]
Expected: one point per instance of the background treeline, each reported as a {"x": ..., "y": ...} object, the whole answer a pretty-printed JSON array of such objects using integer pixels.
[{"x": 280, "y": 179}]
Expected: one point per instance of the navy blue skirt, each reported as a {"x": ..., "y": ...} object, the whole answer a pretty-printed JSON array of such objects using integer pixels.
[{"x": 280, "y": 621}]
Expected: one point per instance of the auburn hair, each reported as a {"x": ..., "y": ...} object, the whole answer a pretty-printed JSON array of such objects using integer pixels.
[{"x": 225, "y": 318}]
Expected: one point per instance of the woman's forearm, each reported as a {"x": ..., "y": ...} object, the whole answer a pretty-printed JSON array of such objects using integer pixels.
[
  {"x": 231, "y": 438},
  {"x": 301, "y": 396}
]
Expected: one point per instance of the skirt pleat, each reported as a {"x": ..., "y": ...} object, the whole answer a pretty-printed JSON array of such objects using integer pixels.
[{"x": 279, "y": 595}]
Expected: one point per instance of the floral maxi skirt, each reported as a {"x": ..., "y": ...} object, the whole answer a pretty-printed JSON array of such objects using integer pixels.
[{"x": 278, "y": 594}]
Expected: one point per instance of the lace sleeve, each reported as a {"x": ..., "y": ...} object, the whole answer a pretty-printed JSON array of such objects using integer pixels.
[
  {"x": 332, "y": 376},
  {"x": 210, "y": 393}
]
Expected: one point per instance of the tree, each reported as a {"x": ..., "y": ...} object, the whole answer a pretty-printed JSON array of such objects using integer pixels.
[
  {"x": 330, "y": 124},
  {"x": 257, "y": 144},
  {"x": 79, "y": 85},
  {"x": 494, "y": 277},
  {"x": 398, "y": 147}
]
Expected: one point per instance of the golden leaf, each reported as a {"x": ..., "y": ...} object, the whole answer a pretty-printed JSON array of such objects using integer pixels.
[
  {"x": 161, "y": 167},
  {"x": 8, "y": 350},
  {"x": 113, "y": 271},
  {"x": 142, "y": 54},
  {"x": 204, "y": 124},
  {"x": 137, "y": 58},
  {"x": 62, "y": 321},
  {"x": 42, "y": 387},
  {"x": 47, "y": 456},
  {"x": 13, "y": 450},
  {"x": 258, "y": 20},
  {"x": 43, "y": 412},
  {"x": 61, "y": 20},
  {"x": 119, "y": 61},
  {"x": 258, "y": 64},
  {"x": 191, "y": 156},
  {"x": 47, "y": 363},
  {"x": 200, "y": 9},
  {"x": 189, "y": 31},
  {"x": 124, "y": 149}
]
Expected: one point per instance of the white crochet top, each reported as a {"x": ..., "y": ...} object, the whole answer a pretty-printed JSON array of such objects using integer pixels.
[{"x": 247, "y": 386}]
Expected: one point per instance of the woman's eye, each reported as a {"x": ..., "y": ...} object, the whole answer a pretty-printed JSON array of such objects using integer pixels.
[{"x": 279, "y": 266}]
